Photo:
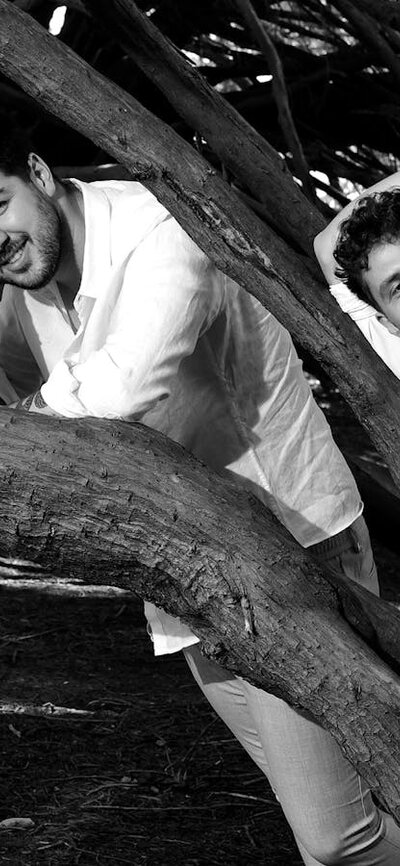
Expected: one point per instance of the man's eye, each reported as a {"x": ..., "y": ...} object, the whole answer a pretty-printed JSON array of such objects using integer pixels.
[
  {"x": 394, "y": 291},
  {"x": 3, "y": 205}
]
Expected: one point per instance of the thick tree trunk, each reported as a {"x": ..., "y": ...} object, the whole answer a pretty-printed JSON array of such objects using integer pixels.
[
  {"x": 120, "y": 503},
  {"x": 233, "y": 237}
]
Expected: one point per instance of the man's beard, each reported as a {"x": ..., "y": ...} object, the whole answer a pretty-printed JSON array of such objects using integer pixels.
[{"x": 46, "y": 245}]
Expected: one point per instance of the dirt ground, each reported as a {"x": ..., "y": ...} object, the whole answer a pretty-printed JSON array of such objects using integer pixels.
[{"x": 161, "y": 782}]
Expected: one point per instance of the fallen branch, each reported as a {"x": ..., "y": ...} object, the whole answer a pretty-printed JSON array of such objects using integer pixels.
[
  {"x": 63, "y": 587},
  {"x": 52, "y": 711}
]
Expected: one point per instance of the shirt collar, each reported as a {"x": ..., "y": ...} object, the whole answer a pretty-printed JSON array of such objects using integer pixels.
[{"x": 97, "y": 248}]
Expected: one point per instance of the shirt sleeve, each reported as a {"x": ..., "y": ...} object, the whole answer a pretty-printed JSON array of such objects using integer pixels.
[
  {"x": 368, "y": 320},
  {"x": 19, "y": 372},
  {"x": 170, "y": 294}
]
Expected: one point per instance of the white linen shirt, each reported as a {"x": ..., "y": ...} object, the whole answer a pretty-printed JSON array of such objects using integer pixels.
[
  {"x": 368, "y": 320},
  {"x": 165, "y": 338}
]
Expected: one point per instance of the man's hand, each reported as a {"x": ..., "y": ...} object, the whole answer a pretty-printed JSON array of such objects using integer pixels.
[{"x": 34, "y": 403}]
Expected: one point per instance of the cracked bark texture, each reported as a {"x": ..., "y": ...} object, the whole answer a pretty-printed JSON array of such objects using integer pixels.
[{"x": 120, "y": 504}]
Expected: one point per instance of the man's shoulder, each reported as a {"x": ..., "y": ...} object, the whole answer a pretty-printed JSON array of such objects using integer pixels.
[
  {"x": 133, "y": 210},
  {"x": 129, "y": 194}
]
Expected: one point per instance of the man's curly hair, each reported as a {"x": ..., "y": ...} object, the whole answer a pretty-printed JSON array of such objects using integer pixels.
[{"x": 375, "y": 219}]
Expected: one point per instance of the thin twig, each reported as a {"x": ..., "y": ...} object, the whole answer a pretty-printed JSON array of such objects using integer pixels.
[
  {"x": 67, "y": 588},
  {"x": 209, "y": 808},
  {"x": 245, "y": 797},
  {"x": 51, "y": 711},
  {"x": 280, "y": 95}
]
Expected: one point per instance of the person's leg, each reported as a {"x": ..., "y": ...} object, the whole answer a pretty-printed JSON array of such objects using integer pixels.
[
  {"x": 328, "y": 807},
  {"x": 350, "y": 553}
]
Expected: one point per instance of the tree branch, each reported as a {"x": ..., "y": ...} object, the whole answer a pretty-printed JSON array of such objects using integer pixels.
[
  {"x": 31, "y": 5},
  {"x": 365, "y": 27},
  {"x": 62, "y": 587},
  {"x": 52, "y": 711},
  {"x": 198, "y": 546},
  {"x": 385, "y": 11},
  {"x": 280, "y": 95}
]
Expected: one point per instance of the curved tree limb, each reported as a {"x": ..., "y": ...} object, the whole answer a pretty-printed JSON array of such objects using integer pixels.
[{"x": 100, "y": 501}]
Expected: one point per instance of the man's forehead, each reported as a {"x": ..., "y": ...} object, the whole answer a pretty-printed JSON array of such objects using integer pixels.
[{"x": 9, "y": 182}]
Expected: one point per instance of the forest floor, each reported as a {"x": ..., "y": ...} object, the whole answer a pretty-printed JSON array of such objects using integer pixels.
[{"x": 163, "y": 783}]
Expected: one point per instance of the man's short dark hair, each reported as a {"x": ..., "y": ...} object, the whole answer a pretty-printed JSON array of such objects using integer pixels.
[
  {"x": 15, "y": 147},
  {"x": 375, "y": 219}
]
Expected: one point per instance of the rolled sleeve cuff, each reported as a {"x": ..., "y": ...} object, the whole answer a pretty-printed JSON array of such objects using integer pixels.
[
  {"x": 60, "y": 392},
  {"x": 350, "y": 303}
]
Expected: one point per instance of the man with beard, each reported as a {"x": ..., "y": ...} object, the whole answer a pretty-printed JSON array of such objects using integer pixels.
[{"x": 110, "y": 310}]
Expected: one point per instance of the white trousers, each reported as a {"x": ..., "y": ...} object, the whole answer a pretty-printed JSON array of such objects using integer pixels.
[{"x": 328, "y": 806}]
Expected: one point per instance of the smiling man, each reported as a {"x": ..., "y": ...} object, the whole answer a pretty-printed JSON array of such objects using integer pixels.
[
  {"x": 41, "y": 228},
  {"x": 30, "y": 241},
  {"x": 109, "y": 309}
]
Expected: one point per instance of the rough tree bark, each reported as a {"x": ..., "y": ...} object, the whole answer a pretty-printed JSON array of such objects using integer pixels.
[
  {"x": 148, "y": 517},
  {"x": 233, "y": 237}
]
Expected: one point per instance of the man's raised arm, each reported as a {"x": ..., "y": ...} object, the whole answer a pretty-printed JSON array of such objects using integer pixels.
[{"x": 325, "y": 241}]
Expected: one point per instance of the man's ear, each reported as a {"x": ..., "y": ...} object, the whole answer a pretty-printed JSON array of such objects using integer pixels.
[
  {"x": 393, "y": 329},
  {"x": 40, "y": 174}
]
